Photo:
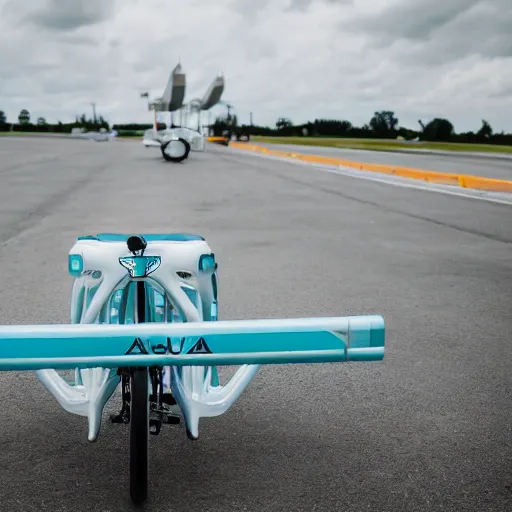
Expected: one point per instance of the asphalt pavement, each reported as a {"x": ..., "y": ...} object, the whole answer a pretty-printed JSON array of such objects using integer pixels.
[
  {"x": 475, "y": 165},
  {"x": 429, "y": 428}
]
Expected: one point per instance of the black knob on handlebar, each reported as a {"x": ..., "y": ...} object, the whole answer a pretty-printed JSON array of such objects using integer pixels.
[{"x": 136, "y": 243}]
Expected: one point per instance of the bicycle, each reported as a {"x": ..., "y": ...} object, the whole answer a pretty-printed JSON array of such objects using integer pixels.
[{"x": 144, "y": 316}]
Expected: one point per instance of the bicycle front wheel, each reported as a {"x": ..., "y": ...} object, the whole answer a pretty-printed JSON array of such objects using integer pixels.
[
  {"x": 139, "y": 415},
  {"x": 139, "y": 435}
]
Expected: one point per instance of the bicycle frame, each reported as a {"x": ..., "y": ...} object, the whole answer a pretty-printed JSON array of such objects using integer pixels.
[{"x": 181, "y": 339}]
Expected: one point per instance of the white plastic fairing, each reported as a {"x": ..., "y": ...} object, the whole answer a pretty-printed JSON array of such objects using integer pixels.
[{"x": 101, "y": 294}]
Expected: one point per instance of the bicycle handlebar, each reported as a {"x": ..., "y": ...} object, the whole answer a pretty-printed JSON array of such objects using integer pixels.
[{"x": 280, "y": 341}]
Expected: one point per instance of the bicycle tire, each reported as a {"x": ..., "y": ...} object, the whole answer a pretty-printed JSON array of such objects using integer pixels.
[
  {"x": 139, "y": 435},
  {"x": 175, "y": 159},
  {"x": 139, "y": 417}
]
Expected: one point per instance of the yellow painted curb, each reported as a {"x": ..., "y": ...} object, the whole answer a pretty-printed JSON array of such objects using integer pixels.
[
  {"x": 216, "y": 139},
  {"x": 461, "y": 180}
]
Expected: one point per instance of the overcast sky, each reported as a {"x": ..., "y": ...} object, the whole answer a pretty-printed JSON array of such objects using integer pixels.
[{"x": 302, "y": 59}]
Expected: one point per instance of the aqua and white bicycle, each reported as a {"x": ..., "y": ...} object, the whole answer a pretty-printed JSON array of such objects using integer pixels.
[{"x": 144, "y": 317}]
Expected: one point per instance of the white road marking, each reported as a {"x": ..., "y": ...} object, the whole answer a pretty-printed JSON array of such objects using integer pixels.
[{"x": 397, "y": 181}]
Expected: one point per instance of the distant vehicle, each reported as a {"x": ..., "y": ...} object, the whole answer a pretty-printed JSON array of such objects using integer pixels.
[
  {"x": 243, "y": 137},
  {"x": 100, "y": 136}
]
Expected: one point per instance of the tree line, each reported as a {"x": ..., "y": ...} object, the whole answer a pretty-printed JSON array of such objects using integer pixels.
[
  {"x": 383, "y": 125},
  {"x": 24, "y": 124}
]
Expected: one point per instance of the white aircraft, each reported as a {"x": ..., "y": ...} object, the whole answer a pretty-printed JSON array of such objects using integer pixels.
[{"x": 177, "y": 142}]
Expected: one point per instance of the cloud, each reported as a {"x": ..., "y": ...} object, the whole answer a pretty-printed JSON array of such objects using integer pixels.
[
  {"x": 412, "y": 20},
  {"x": 66, "y": 15},
  {"x": 303, "y": 5},
  {"x": 302, "y": 59},
  {"x": 438, "y": 31}
]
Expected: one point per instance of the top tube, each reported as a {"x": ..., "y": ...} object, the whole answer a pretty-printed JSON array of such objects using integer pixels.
[{"x": 151, "y": 237}]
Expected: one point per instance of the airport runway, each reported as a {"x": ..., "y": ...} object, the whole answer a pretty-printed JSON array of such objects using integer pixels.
[
  {"x": 455, "y": 163},
  {"x": 429, "y": 428}
]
